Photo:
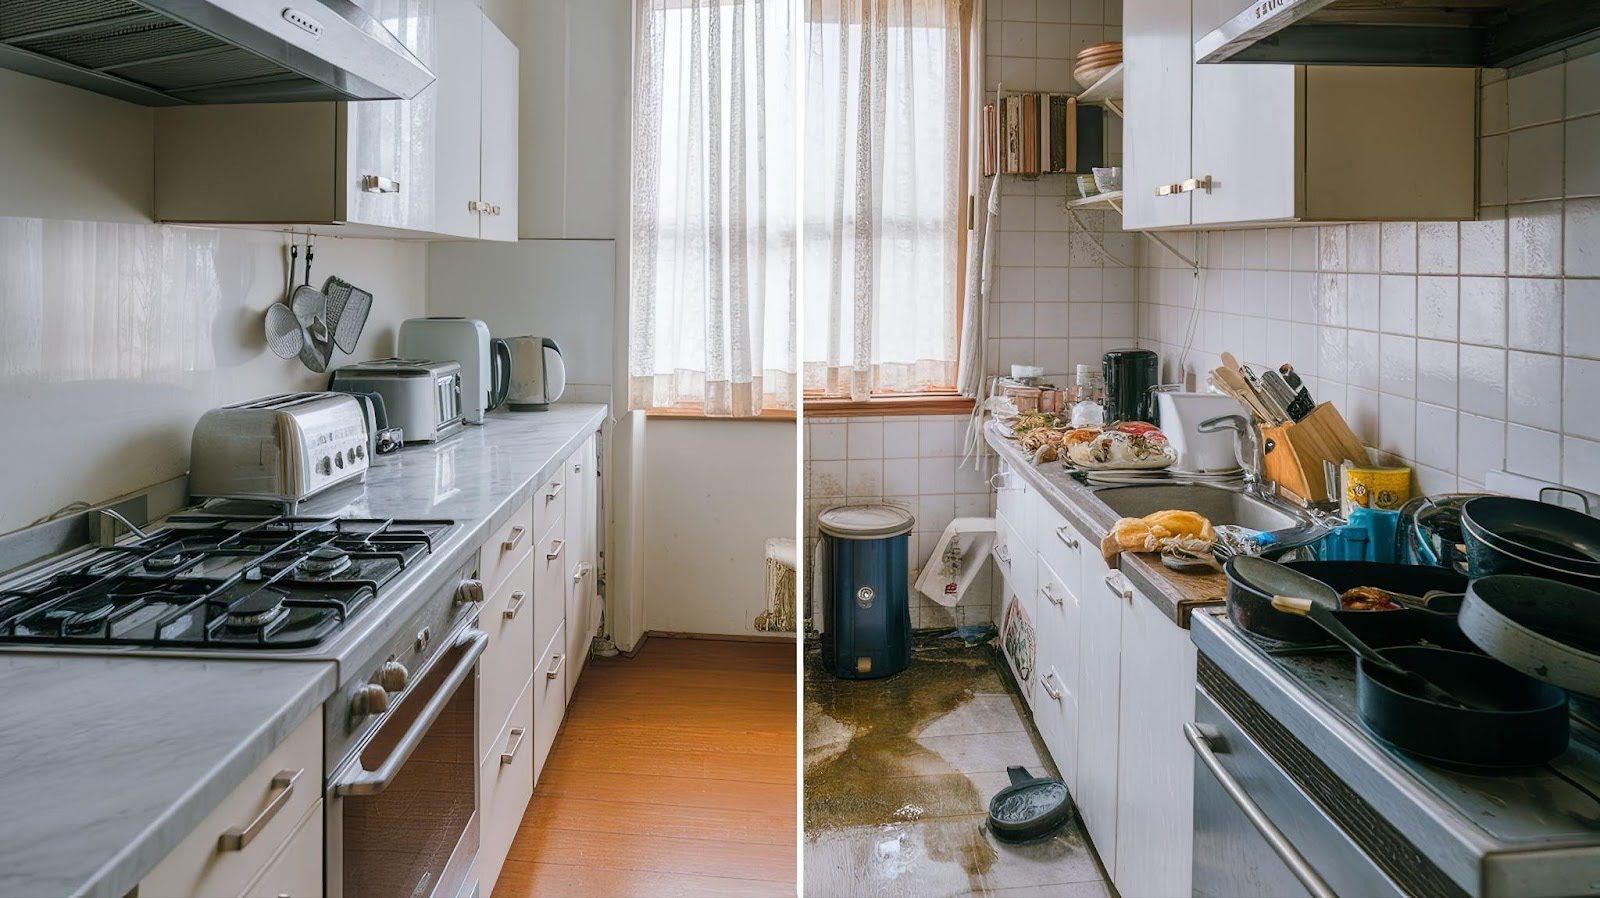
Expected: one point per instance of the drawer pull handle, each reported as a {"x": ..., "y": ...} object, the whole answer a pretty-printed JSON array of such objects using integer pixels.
[
  {"x": 1120, "y": 586},
  {"x": 283, "y": 783},
  {"x": 554, "y": 492},
  {"x": 518, "y": 599},
  {"x": 1062, "y": 534},
  {"x": 555, "y": 549},
  {"x": 581, "y": 571},
  {"x": 379, "y": 184},
  {"x": 1053, "y": 693},
  {"x": 1051, "y": 594},
  {"x": 515, "y": 539},
  {"x": 555, "y": 666},
  {"x": 510, "y": 754},
  {"x": 577, "y": 467},
  {"x": 1002, "y": 552}
]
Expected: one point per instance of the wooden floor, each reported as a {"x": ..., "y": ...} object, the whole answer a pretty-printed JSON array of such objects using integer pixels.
[{"x": 673, "y": 775}]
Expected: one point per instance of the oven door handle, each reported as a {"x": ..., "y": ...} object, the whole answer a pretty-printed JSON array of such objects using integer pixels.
[
  {"x": 1200, "y": 741},
  {"x": 371, "y": 782}
]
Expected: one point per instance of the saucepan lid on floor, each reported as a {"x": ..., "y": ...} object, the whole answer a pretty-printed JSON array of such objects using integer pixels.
[{"x": 1032, "y": 807}]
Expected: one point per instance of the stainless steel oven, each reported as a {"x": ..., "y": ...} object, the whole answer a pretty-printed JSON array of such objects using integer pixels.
[{"x": 402, "y": 811}]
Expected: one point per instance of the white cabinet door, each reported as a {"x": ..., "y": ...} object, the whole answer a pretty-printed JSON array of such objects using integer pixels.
[
  {"x": 1099, "y": 685},
  {"x": 499, "y": 134},
  {"x": 1246, "y": 133},
  {"x": 1055, "y": 697},
  {"x": 460, "y": 87},
  {"x": 1158, "y": 57},
  {"x": 390, "y": 144},
  {"x": 1155, "y": 779},
  {"x": 581, "y": 488}
]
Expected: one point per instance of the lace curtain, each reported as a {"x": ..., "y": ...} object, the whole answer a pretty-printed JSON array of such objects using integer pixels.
[
  {"x": 884, "y": 198},
  {"x": 715, "y": 142}
]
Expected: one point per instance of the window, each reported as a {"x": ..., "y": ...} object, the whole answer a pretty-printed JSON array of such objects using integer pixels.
[
  {"x": 885, "y": 195},
  {"x": 715, "y": 155}
]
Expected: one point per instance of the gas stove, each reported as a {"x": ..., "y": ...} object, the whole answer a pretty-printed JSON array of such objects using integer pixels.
[{"x": 226, "y": 582}]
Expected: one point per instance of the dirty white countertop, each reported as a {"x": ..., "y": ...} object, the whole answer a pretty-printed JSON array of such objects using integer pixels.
[{"x": 107, "y": 762}]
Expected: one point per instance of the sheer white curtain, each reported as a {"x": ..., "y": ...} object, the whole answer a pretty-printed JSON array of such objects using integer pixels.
[
  {"x": 884, "y": 197},
  {"x": 713, "y": 307}
]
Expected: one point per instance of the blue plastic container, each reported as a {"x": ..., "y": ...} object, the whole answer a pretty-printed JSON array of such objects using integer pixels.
[
  {"x": 866, "y": 615},
  {"x": 1369, "y": 536}
]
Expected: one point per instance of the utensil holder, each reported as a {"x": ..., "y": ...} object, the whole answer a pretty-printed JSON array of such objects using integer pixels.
[{"x": 1293, "y": 453}]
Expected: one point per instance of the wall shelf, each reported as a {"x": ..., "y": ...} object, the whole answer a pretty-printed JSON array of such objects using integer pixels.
[
  {"x": 1106, "y": 92},
  {"x": 1111, "y": 199}
]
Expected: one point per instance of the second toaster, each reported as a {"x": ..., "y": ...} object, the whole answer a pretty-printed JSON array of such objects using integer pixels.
[{"x": 421, "y": 398}]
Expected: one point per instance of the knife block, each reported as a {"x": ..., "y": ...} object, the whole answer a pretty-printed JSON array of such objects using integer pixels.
[{"x": 1294, "y": 453}]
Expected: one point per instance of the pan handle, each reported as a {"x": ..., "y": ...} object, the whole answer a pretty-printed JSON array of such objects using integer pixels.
[{"x": 1200, "y": 741}]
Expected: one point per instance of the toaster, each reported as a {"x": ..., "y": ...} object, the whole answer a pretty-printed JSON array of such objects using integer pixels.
[
  {"x": 421, "y": 398},
  {"x": 284, "y": 448}
]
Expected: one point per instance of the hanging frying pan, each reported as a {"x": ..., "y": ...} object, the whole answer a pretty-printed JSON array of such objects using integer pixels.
[{"x": 1544, "y": 628}]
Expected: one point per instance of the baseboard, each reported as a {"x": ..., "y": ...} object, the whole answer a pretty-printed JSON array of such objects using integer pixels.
[{"x": 781, "y": 638}]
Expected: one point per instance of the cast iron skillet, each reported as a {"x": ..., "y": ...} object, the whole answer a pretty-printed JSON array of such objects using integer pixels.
[
  {"x": 1544, "y": 628},
  {"x": 1030, "y": 808},
  {"x": 1504, "y": 535},
  {"x": 1252, "y": 609}
]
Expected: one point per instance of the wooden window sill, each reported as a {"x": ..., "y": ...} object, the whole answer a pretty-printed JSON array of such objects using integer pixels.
[
  {"x": 889, "y": 406},
  {"x": 694, "y": 414}
]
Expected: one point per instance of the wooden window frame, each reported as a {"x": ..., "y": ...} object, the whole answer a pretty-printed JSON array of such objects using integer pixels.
[{"x": 698, "y": 413}]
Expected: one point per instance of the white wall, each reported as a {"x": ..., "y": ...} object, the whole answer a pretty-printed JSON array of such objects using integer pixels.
[
  {"x": 116, "y": 334},
  {"x": 1455, "y": 348},
  {"x": 716, "y": 491}
]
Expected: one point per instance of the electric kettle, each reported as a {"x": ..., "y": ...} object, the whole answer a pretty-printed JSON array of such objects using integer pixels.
[{"x": 538, "y": 374}]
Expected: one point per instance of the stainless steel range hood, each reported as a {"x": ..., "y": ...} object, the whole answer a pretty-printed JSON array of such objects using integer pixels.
[
  {"x": 1400, "y": 32},
  {"x": 177, "y": 52}
]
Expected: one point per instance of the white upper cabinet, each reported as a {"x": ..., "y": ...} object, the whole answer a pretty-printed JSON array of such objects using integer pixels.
[
  {"x": 395, "y": 168},
  {"x": 1230, "y": 144}
]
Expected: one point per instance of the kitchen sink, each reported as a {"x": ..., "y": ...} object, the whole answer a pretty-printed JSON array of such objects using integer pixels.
[{"x": 1217, "y": 504}]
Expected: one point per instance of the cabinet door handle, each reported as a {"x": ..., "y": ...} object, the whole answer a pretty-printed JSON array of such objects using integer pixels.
[
  {"x": 510, "y": 754},
  {"x": 555, "y": 490},
  {"x": 555, "y": 667},
  {"x": 1190, "y": 185},
  {"x": 283, "y": 784},
  {"x": 555, "y": 549},
  {"x": 1000, "y": 479},
  {"x": 1045, "y": 682},
  {"x": 1051, "y": 594},
  {"x": 1200, "y": 741},
  {"x": 1071, "y": 541},
  {"x": 1168, "y": 189},
  {"x": 581, "y": 571},
  {"x": 379, "y": 184},
  {"x": 1120, "y": 586},
  {"x": 518, "y": 599},
  {"x": 514, "y": 539},
  {"x": 1003, "y": 554},
  {"x": 577, "y": 467}
]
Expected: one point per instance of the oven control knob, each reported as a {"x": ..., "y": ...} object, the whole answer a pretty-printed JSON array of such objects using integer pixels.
[
  {"x": 325, "y": 466},
  {"x": 371, "y": 699},
  {"x": 470, "y": 591},
  {"x": 393, "y": 676}
]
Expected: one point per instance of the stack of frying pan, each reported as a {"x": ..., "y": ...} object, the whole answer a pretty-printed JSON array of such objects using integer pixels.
[{"x": 1470, "y": 673}]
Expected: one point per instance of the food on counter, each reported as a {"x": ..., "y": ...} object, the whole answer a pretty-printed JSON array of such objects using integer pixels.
[
  {"x": 1129, "y": 445},
  {"x": 1366, "y": 598},
  {"x": 1180, "y": 531}
]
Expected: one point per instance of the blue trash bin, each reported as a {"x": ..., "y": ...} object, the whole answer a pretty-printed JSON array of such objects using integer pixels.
[{"x": 866, "y": 615}]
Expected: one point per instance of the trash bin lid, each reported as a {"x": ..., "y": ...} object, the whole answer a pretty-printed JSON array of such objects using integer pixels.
[{"x": 865, "y": 521}]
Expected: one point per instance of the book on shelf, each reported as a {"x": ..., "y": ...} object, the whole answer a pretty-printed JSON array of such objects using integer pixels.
[{"x": 1037, "y": 133}]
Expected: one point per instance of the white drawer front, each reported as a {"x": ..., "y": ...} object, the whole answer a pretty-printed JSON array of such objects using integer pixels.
[
  {"x": 509, "y": 545},
  {"x": 262, "y": 813},
  {"x": 1011, "y": 499},
  {"x": 551, "y": 569},
  {"x": 550, "y": 502},
  {"x": 549, "y": 698},
  {"x": 1056, "y": 712},
  {"x": 508, "y": 660},
  {"x": 297, "y": 870},
  {"x": 1059, "y": 543},
  {"x": 1017, "y": 565},
  {"x": 505, "y": 784}
]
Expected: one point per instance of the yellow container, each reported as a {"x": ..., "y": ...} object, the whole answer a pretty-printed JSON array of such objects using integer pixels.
[{"x": 1368, "y": 487}]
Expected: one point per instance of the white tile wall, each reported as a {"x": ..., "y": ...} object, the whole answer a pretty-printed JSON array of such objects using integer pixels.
[
  {"x": 1456, "y": 347},
  {"x": 912, "y": 462}
]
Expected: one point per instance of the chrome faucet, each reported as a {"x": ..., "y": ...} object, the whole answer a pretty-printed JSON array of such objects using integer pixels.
[
  {"x": 107, "y": 533},
  {"x": 1247, "y": 448}
]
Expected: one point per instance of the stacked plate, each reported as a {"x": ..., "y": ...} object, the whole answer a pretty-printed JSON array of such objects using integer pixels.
[{"x": 1094, "y": 62}]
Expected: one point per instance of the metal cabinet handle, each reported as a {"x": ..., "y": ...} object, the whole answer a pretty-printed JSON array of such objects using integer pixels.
[
  {"x": 1168, "y": 189},
  {"x": 1071, "y": 541},
  {"x": 283, "y": 783},
  {"x": 372, "y": 782},
  {"x": 581, "y": 571},
  {"x": 555, "y": 668},
  {"x": 1002, "y": 553},
  {"x": 514, "y": 539},
  {"x": 999, "y": 479},
  {"x": 1045, "y": 682},
  {"x": 577, "y": 467},
  {"x": 379, "y": 184},
  {"x": 554, "y": 491},
  {"x": 518, "y": 599},
  {"x": 556, "y": 545},
  {"x": 1190, "y": 185},
  {"x": 474, "y": 206},
  {"x": 510, "y": 754},
  {"x": 1119, "y": 585},
  {"x": 1200, "y": 740},
  {"x": 1051, "y": 594}
]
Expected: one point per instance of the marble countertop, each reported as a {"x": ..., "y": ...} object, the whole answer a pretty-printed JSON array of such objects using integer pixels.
[
  {"x": 110, "y": 760},
  {"x": 1176, "y": 595}
]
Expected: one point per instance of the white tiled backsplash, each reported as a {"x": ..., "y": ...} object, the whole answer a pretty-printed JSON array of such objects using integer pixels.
[
  {"x": 1458, "y": 348},
  {"x": 912, "y": 462},
  {"x": 114, "y": 338}
]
